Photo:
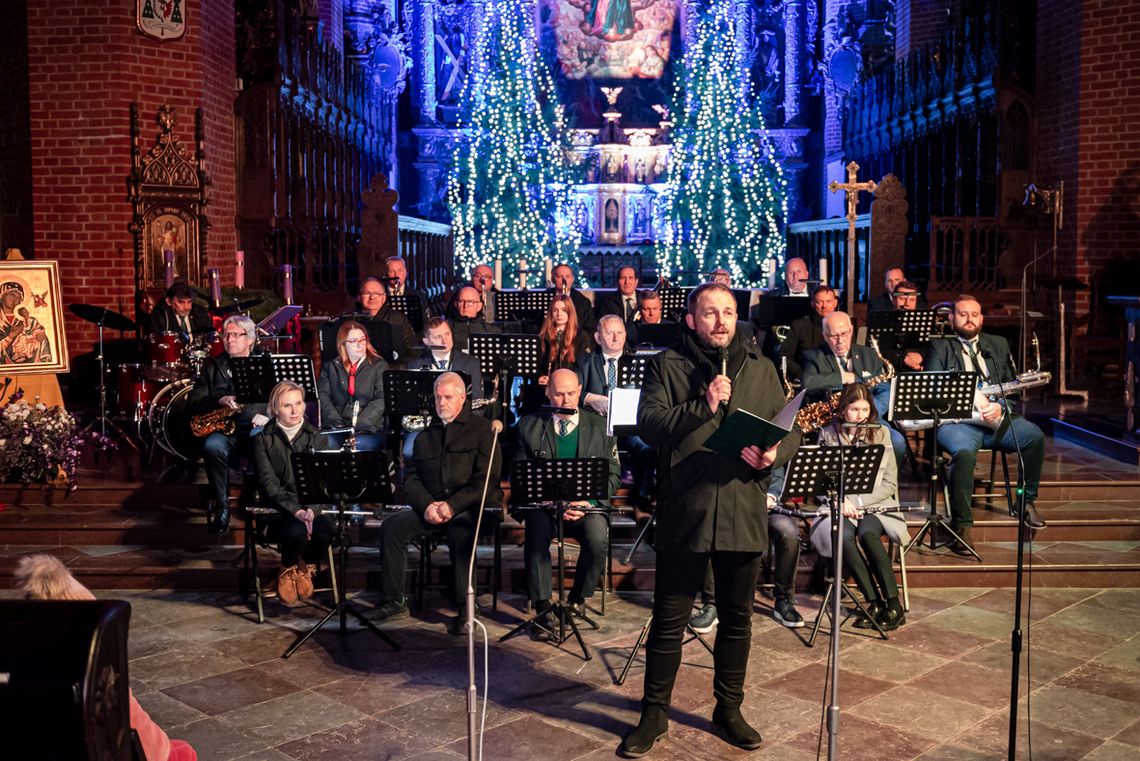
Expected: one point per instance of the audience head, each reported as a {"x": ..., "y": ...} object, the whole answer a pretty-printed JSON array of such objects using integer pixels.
[
  {"x": 837, "y": 332},
  {"x": 627, "y": 281},
  {"x": 180, "y": 297},
  {"x": 372, "y": 295},
  {"x": 450, "y": 394},
  {"x": 905, "y": 296},
  {"x": 44, "y": 577},
  {"x": 438, "y": 333},
  {"x": 610, "y": 334},
  {"x": 287, "y": 404},
  {"x": 650, "y": 305},
  {"x": 352, "y": 343},
  {"x": 564, "y": 388},
  {"x": 966, "y": 319},
  {"x": 824, "y": 300},
  {"x": 712, "y": 314},
  {"x": 795, "y": 273},
  {"x": 238, "y": 335},
  {"x": 468, "y": 303}
]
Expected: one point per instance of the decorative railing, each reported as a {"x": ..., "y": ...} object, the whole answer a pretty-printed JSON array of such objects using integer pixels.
[
  {"x": 429, "y": 250},
  {"x": 826, "y": 239},
  {"x": 964, "y": 254}
]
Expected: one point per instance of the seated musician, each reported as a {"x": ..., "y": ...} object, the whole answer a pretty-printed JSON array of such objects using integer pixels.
[
  {"x": 621, "y": 302},
  {"x": 886, "y": 301},
  {"x": 374, "y": 306},
  {"x": 397, "y": 270},
  {"x": 650, "y": 309},
  {"x": 563, "y": 278},
  {"x": 872, "y": 567},
  {"x": 214, "y": 390},
  {"x": 302, "y": 533},
  {"x": 564, "y": 344},
  {"x": 179, "y": 314},
  {"x": 807, "y": 332},
  {"x": 355, "y": 380},
  {"x": 838, "y": 362},
  {"x": 547, "y": 435},
  {"x": 907, "y": 299},
  {"x": 442, "y": 355},
  {"x": 795, "y": 279},
  {"x": 466, "y": 318},
  {"x": 971, "y": 350},
  {"x": 444, "y": 487}
]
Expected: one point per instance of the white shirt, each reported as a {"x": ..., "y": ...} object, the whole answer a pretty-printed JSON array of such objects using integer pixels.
[
  {"x": 968, "y": 361},
  {"x": 437, "y": 358},
  {"x": 572, "y": 421}
]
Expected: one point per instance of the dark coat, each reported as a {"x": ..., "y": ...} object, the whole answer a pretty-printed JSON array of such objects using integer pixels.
[
  {"x": 707, "y": 500},
  {"x": 163, "y": 320},
  {"x": 805, "y": 334},
  {"x": 612, "y": 302},
  {"x": 820, "y": 375},
  {"x": 535, "y": 434},
  {"x": 460, "y": 362},
  {"x": 592, "y": 371},
  {"x": 462, "y": 328},
  {"x": 336, "y": 404},
  {"x": 450, "y": 463},
  {"x": 884, "y": 303},
  {"x": 272, "y": 453},
  {"x": 403, "y": 337},
  {"x": 215, "y": 382},
  {"x": 946, "y": 354},
  {"x": 584, "y": 310}
]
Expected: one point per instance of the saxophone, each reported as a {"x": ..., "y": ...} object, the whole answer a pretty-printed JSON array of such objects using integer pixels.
[
  {"x": 816, "y": 415},
  {"x": 221, "y": 419}
]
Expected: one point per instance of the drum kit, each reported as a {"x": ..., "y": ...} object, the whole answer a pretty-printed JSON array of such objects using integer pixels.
[{"x": 152, "y": 397}]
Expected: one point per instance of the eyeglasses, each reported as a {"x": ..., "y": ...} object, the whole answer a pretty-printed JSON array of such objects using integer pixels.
[
  {"x": 371, "y": 294},
  {"x": 845, "y": 334},
  {"x": 227, "y": 334},
  {"x": 906, "y": 296},
  {"x": 468, "y": 301}
]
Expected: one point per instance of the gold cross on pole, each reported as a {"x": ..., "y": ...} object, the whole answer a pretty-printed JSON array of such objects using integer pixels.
[{"x": 852, "y": 188}]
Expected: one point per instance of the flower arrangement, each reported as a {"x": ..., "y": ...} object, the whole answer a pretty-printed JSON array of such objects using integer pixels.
[{"x": 37, "y": 442}]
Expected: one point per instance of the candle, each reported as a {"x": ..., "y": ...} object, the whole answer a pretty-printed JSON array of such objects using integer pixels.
[
  {"x": 239, "y": 269},
  {"x": 168, "y": 267},
  {"x": 522, "y": 274},
  {"x": 823, "y": 271},
  {"x": 287, "y": 282},
  {"x": 546, "y": 270},
  {"x": 215, "y": 286},
  {"x": 498, "y": 274}
]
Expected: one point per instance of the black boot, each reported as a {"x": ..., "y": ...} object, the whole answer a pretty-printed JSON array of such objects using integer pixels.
[
  {"x": 874, "y": 611},
  {"x": 734, "y": 728},
  {"x": 651, "y": 728},
  {"x": 892, "y": 617}
]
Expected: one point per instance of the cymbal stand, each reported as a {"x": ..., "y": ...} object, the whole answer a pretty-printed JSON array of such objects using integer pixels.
[{"x": 103, "y": 421}]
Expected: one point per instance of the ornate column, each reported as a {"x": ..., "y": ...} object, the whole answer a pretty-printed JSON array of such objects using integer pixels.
[
  {"x": 423, "y": 32},
  {"x": 793, "y": 61}
]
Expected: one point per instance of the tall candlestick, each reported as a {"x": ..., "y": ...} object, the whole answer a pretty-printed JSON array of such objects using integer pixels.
[
  {"x": 287, "y": 283},
  {"x": 823, "y": 271},
  {"x": 522, "y": 274},
  {"x": 498, "y": 274},
  {"x": 546, "y": 270},
  {"x": 168, "y": 267},
  {"x": 215, "y": 286},
  {"x": 239, "y": 269}
]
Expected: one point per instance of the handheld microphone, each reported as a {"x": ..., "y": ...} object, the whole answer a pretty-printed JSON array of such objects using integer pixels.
[{"x": 723, "y": 354}]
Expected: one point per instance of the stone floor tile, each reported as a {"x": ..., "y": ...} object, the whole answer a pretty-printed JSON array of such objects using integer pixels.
[
  {"x": 886, "y": 661},
  {"x": 264, "y": 643},
  {"x": 954, "y": 753},
  {"x": 216, "y": 741},
  {"x": 930, "y": 639},
  {"x": 439, "y": 754},
  {"x": 153, "y": 639},
  {"x": 528, "y": 738},
  {"x": 229, "y": 691},
  {"x": 166, "y": 711},
  {"x": 919, "y": 712},
  {"x": 1098, "y": 716},
  {"x": 1104, "y": 680},
  {"x": 1130, "y": 735},
  {"x": 442, "y": 719},
  {"x": 190, "y": 662},
  {"x": 364, "y": 740},
  {"x": 1125, "y": 655},
  {"x": 289, "y": 717},
  {"x": 1117, "y": 599},
  {"x": 1049, "y": 742},
  {"x": 1118, "y": 624},
  {"x": 977, "y": 622},
  {"x": 778, "y": 716},
  {"x": 807, "y": 684},
  {"x": 863, "y": 740},
  {"x": 1053, "y": 636},
  {"x": 975, "y": 685},
  {"x": 1112, "y": 751},
  {"x": 1038, "y": 664},
  {"x": 270, "y": 754}
]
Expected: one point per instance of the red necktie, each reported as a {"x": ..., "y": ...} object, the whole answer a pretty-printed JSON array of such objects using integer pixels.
[{"x": 352, "y": 380}]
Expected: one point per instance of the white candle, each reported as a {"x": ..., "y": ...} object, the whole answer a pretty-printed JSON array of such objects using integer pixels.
[
  {"x": 498, "y": 274},
  {"x": 239, "y": 269},
  {"x": 546, "y": 270},
  {"x": 215, "y": 285},
  {"x": 522, "y": 274},
  {"x": 287, "y": 282},
  {"x": 823, "y": 271},
  {"x": 168, "y": 267}
]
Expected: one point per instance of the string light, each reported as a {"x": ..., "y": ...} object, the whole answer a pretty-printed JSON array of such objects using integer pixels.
[{"x": 725, "y": 200}]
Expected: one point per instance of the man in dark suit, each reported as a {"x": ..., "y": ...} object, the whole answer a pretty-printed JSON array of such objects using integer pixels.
[
  {"x": 807, "y": 332},
  {"x": 839, "y": 361},
  {"x": 988, "y": 355},
  {"x": 563, "y": 278},
  {"x": 623, "y": 301},
  {"x": 444, "y": 488},
  {"x": 885, "y": 301},
  {"x": 467, "y": 319},
  {"x": 795, "y": 279},
  {"x": 374, "y": 307},
  {"x": 397, "y": 270},
  {"x": 444, "y": 356},
  {"x": 544, "y": 435},
  {"x": 179, "y": 314}
]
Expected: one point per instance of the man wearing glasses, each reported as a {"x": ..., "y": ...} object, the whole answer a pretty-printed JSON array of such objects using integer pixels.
[
  {"x": 892, "y": 281},
  {"x": 374, "y": 307},
  {"x": 906, "y": 298},
  {"x": 467, "y": 318}
]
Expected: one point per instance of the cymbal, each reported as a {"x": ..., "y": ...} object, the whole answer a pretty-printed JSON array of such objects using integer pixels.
[
  {"x": 225, "y": 310},
  {"x": 102, "y": 316}
]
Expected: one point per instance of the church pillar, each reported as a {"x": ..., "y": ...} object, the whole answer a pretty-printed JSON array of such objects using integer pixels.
[
  {"x": 793, "y": 50},
  {"x": 424, "y": 93}
]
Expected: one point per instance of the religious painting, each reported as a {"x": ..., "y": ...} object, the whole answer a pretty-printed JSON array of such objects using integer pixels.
[
  {"x": 638, "y": 212},
  {"x": 163, "y": 20},
  {"x": 170, "y": 233},
  {"x": 31, "y": 319},
  {"x": 611, "y": 221},
  {"x": 612, "y": 39}
]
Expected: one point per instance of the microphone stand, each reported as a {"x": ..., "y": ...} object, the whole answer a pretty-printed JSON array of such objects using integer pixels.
[{"x": 469, "y": 608}]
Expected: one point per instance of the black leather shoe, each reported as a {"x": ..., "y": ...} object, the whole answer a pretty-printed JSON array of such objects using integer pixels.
[
  {"x": 874, "y": 612},
  {"x": 892, "y": 616},
  {"x": 732, "y": 726},
  {"x": 651, "y": 728},
  {"x": 220, "y": 522},
  {"x": 1033, "y": 518},
  {"x": 544, "y": 628}
]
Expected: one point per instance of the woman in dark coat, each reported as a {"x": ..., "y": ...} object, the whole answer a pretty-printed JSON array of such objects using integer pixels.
[{"x": 356, "y": 377}]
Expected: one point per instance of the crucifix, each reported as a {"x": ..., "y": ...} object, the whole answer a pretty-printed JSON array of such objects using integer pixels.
[{"x": 852, "y": 188}]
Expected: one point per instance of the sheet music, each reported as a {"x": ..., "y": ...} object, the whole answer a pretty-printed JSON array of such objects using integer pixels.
[{"x": 623, "y": 408}]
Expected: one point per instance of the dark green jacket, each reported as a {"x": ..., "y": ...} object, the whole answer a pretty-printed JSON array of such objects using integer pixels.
[
  {"x": 272, "y": 452},
  {"x": 536, "y": 434}
]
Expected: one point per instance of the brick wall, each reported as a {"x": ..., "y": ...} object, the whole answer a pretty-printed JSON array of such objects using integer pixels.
[
  {"x": 85, "y": 67},
  {"x": 15, "y": 133},
  {"x": 918, "y": 23}
]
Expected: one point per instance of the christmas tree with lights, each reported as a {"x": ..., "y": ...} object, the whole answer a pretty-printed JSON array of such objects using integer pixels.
[
  {"x": 508, "y": 185},
  {"x": 724, "y": 203}
]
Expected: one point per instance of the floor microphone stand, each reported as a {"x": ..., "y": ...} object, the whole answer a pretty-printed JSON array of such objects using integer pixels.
[
  {"x": 103, "y": 421},
  {"x": 469, "y": 607}
]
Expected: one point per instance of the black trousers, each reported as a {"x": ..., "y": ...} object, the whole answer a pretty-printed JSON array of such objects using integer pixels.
[
  {"x": 541, "y": 529},
  {"x": 399, "y": 530},
  {"x": 679, "y": 577},
  {"x": 784, "y": 544},
  {"x": 873, "y": 566},
  {"x": 289, "y": 535}
]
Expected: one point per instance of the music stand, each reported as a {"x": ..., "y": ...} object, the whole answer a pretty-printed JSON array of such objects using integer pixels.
[
  {"x": 560, "y": 481},
  {"x": 342, "y": 478},
  {"x": 935, "y": 396},
  {"x": 255, "y": 376},
  {"x": 631, "y": 369},
  {"x": 673, "y": 302},
  {"x": 781, "y": 310},
  {"x": 661, "y": 334},
  {"x": 411, "y": 306},
  {"x": 836, "y": 472},
  {"x": 412, "y": 392},
  {"x": 523, "y": 306}
]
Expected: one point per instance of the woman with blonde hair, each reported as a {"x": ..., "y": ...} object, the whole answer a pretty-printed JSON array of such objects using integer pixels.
[
  {"x": 301, "y": 532},
  {"x": 354, "y": 380}
]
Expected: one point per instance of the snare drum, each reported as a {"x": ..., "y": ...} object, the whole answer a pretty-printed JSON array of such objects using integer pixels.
[
  {"x": 165, "y": 349},
  {"x": 169, "y": 422},
  {"x": 134, "y": 392}
]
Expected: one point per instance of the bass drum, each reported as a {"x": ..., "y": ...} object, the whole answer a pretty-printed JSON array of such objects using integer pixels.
[{"x": 169, "y": 422}]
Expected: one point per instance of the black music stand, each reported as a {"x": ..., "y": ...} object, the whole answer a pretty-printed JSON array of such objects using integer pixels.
[
  {"x": 560, "y": 481},
  {"x": 523, "y": 306},
  {"x": 836, "y": 472},
  {"x": 631, "y": 369},
  {"x": 781, "y": 310},
  {"x": 934, "y": 396},
  {"x": 662, "y": 334},
  {"x": 411, "y": 306},
  {"x": 412, "y": 392},
  {"x": 521, "y": 352},
  {"x": 900, "y": 331},
  {"x": 342, "y": 478},
  {"x": 674, "y": 301},
  {"x": 379, "y": 335},
  {"x": 255, "y": 376}
]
